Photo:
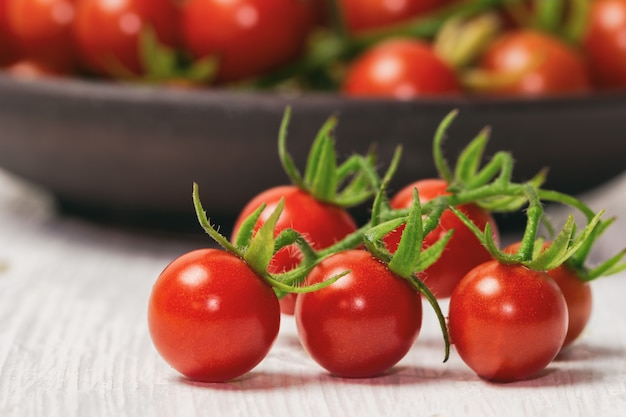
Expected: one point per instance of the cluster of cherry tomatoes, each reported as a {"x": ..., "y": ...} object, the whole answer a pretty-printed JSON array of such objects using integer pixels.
[
  {"x": 362, "y": 48},
  {"x": 356, "y": 291}
]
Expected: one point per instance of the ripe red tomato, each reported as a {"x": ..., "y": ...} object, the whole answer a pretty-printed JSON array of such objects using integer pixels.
[
  {"x": 401, "y": 69},
  {"x": 604, "y": 42},
  {"x": 8, "y": 47},
  {"x": 463, "y": 251},
  {"x": 248, "y": 37},
  {"x": 362, "y": 324},
  {"x": 578, "y": 297},
  {"x": 507, "y": 322},
  {"x": 536, "y": 63},
  {"x": 320, "y": 223},
  {"x": 211, "y": 317},
  {"x": 42, "y": 30},
  {"x": 107, "y": 32},
  {"x": 364, "y": 15}
]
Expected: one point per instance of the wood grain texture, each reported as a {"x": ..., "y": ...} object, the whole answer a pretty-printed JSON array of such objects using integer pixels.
[{"x": 74, "y": 342}]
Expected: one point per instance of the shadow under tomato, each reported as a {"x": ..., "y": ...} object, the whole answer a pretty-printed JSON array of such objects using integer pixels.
[
  {"x": 579, "y": 352},
  {"x": 253, "y": 381},
  {"x": 553, "y": 377}
]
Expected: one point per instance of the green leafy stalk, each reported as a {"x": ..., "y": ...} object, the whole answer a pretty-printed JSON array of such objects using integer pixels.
[
  {"x": 345, "y": 185},
  {"x": 409, "y": 258},
  {"x": 257, "y": 249}
]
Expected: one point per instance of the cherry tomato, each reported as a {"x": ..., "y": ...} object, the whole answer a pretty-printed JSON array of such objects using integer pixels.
[
  {"x": 107, "y": 32},
  {"x": 507, "y": 322},
  {"x": 42, "y": 30},
  {"x": 249, "y": 37},
  {"x": 27, "y": 69},
  {"x": 8, "y": 47},
  {"x": 401, "y": 69},
  {"x": 604, "y": 42},
  {"x": 535, "y": 63},
  {"x": 320, "y": 223},
  {"x": 463, "y": 251},
  {"x": 211, "y": 317},
  {"x": 362, "y": 324},
  {"x": 578, "y": 297},
  {"x": 364, "y": 15}
]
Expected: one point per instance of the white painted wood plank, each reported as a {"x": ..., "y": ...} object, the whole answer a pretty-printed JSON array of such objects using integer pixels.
[{"x": 74, "y": 342}]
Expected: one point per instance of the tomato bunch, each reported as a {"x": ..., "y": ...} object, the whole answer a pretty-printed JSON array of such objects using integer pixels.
[
  {"x": 356, "y": 291},
  {"x": 372, "y": 48}
]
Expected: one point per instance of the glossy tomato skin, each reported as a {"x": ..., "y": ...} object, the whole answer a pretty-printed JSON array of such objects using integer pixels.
[
  {"x": 8, "y": 47},
  {"x": 320, "y": 223},
  {"x": 248, "y": 37},
  {"x": 463, "y": 251},
  {"x": 577, "y": 293},
  {"x": 211, "y": 317},
  {"x": 362, "y": 324},
  {"x": 537, "y": 63},
  {"x": 579, "y": 299},
  {"x": 507, "y": 322},
  {"x": 604, "y": 42},
  {"x": 43, "y": 34},
  {"x": 107, "y": 33},
  {"x": 402, "y": 69},
  {"x": 363, "y": 15}
]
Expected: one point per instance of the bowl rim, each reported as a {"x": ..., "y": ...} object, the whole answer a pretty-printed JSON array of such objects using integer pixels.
[{"x": 152, "y": 93}]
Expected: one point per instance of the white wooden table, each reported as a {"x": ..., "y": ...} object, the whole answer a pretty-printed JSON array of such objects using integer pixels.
[{"x": 74, "y": 339}]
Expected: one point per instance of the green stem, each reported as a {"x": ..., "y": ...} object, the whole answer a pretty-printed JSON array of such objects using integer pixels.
[
  {"x": 443, "y": 168},
  {"x": 337, "y": 20},
  {"x": 208, "y": 228},
  {"x": 423, "y": 289}
]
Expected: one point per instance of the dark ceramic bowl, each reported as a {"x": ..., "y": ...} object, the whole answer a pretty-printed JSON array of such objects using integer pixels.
[{"x": 132, "y": 152}]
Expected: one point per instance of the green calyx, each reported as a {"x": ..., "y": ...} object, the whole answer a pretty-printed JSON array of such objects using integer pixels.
[
  {"x": 566, "y": 19},
  {"x": 165, "y": 65},
  {"x": 258, "y": 248},
  {"x": 490, "y": 186},
  {"x": 409, "y": 258},
  {"x": 348, "y": 184}
]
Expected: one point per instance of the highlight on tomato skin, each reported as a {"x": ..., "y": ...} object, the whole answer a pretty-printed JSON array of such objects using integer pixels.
[
  {"x": 42, "y": 33},
  {"x": 108, "y": 40},
  {"x": 211, "y": 317},
  {"x": 507, "y": 322},
  {"x": 536, "y": 64},
  {"x": 400, "y": 68},
  {"x": 361, "y": 325},
  {"x": 248, "y": 37},
  {"x": 578, "y": 296},
  {"x": 603, "y": 43}
]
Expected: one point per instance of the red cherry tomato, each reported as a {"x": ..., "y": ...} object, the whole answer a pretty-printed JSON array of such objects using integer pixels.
[
  {"x": 211, "y": 317},
  {"x": 26, "y": 69},
  {"x": 364, "y": 15},
  {"x": 401, "y": 69},
  {"x": 463, "y": 251},
  {"x": 507, "y": 322},
  {"x": 107, "y": 32},
  {"x": 320, "y": 223},
  {"x": 8, "y": 47},
  {"x": 604, "y": 42},
  {"x": 248, "y": 37},
  {"x": 579, "y": 301},
  {"x": 362, "y": 324},
  {"x": 578, "y": 297},
  {"x": 535, "y": 63},
  {"x": 42, "y": 30}
]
